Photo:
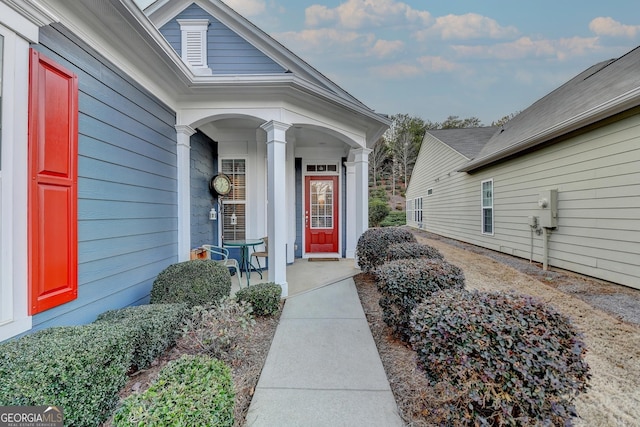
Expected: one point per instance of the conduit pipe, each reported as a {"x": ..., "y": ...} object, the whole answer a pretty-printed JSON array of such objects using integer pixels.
[{"x": 545, "y": 248}]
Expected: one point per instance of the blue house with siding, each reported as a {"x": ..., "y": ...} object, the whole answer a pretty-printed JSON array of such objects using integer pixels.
[{"x": 114, "y": 120}]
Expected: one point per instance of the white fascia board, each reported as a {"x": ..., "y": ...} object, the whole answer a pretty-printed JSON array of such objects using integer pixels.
[
  {"x": 607, "y": 109},
  {"x": 137, "y": 47},
  {"x": 25, "y": 17},
  {"x": 268, "y": 81}
]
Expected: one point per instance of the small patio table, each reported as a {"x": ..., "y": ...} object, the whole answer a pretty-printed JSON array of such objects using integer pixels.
[{"x": 245, "y": 263}]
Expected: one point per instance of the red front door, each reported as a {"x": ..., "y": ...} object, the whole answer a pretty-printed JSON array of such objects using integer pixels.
[{"x": 321, "y": 214}]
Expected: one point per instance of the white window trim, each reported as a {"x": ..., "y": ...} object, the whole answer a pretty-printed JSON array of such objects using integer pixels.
[
  {"x": 482, "y": 208},
  {"x": 14, "y": 317},
  {"x": 193, "y": 44}
]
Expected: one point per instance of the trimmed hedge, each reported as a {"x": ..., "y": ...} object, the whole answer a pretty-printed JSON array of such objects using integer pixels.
[
  {"x": 79, "y": 368},
  {"x": 190, "y": 391},
  {"x": 513, "y": 359},
  {"x": 371, "y": 250},
  {"x": 405, "y": 283},
  {"x": 263, "y": 297},
  {"x": 194, "y": 282},
  {"x": 153, "y": 328},
  {"x": 412, "y": 250}
]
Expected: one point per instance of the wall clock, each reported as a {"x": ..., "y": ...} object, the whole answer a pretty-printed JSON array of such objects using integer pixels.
[{"x": 221, "y": 184}]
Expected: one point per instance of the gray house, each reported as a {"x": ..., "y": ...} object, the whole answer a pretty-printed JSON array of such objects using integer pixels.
[
  {"x": 559, "y": 183},
  {"x": 113, "y": 122}
]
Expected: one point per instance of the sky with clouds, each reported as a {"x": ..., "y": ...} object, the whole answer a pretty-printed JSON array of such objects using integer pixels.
[{"x": 433, "y": 59}]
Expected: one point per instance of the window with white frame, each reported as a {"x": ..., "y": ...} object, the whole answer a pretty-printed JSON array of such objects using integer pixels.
[
  {"x": 487, "y": 206},
  {"x": 234, "y": 203},
  {"x": 417, "y": 209},
  {"x": 409, "y": 209}
]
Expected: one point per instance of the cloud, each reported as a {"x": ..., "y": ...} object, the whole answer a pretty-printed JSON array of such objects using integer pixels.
[
  {"x": 436, "y": 64},
  {"x": 247, "y": 7},
  {"x": 340, "y": 42},
  {"x": 602, "y": 26},
  {"x": 525, "y": 47},
  {"x": 423, "y": 65},
  {"x": 385, "y": 48},
  {"x": 358, "y": 14},
  {"x": 396, "y": 71},
  {"x": 465, "y": 27},
  {"x": 326, "y": 39}
]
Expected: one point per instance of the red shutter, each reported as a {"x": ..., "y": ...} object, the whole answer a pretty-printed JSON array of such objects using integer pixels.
[{"x": 53, "y": 170}]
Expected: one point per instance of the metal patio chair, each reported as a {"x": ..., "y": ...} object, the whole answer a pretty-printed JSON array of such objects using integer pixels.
[
  {"x": 221, "y": 256},
  {"x": 261, "y": 254}
]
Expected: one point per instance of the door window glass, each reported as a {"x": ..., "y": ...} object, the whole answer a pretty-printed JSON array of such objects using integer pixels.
[{"x": 321, "y": 204}]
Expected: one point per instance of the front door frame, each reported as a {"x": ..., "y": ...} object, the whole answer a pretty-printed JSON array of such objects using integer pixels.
[{"x": 339, "y": 196}]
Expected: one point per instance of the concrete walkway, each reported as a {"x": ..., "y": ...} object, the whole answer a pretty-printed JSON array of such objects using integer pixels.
[{"x": 323, "y": 368}]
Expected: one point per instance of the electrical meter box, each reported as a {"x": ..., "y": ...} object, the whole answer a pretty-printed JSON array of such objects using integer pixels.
[{"x": 548, "y": 205}]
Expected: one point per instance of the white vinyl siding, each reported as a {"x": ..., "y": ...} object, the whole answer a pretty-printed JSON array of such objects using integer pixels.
[{"x": 597, "y": 175}]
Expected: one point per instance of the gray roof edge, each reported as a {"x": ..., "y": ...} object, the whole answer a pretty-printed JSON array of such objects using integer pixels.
[
  {"x": 609, "y": 108},
  {"x": 481, "y": 134}
]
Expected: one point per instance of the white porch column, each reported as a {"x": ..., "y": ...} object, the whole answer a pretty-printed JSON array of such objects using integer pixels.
[
  {"x": 183, "y": 151},
  {"x": 352, "y": 238},
  {"x": 277, "y": 202},
  {"x": 361, "y": 162}
]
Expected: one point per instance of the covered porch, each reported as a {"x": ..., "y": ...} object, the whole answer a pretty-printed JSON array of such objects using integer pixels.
[{"x": 301, "y": 181}]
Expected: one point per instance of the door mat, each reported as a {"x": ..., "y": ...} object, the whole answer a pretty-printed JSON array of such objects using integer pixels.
[{"x": 323, "y": 259}]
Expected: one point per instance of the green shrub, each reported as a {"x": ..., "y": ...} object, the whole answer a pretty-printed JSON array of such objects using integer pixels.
[
  {"x": 515, "y": 360},
  {"x": 378, "y": 210},
  {"x": 394, "y": 219},
  {"x": 153, "y": 328},
  {"x": 217, "y": 330},
  {"x": 195, "y": 282},
  {"x": 409, "y": 250},
  {"x": 378, "y": 193},
  {"x": 371, "y": 249},
  {"x": 190, "y": 391},
  {"x": 405, "y": 283},
  {"x": 263, "y": 297},
  {"x": 79, "y": 368}
]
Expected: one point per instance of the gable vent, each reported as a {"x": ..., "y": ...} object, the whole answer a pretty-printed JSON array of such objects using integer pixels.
[{"x": 194, "y": 44}]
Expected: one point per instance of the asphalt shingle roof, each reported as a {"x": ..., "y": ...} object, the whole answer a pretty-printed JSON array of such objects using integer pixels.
[
  {"x": 467, "y": 141},
  {"x": 608, "y": 87}
]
